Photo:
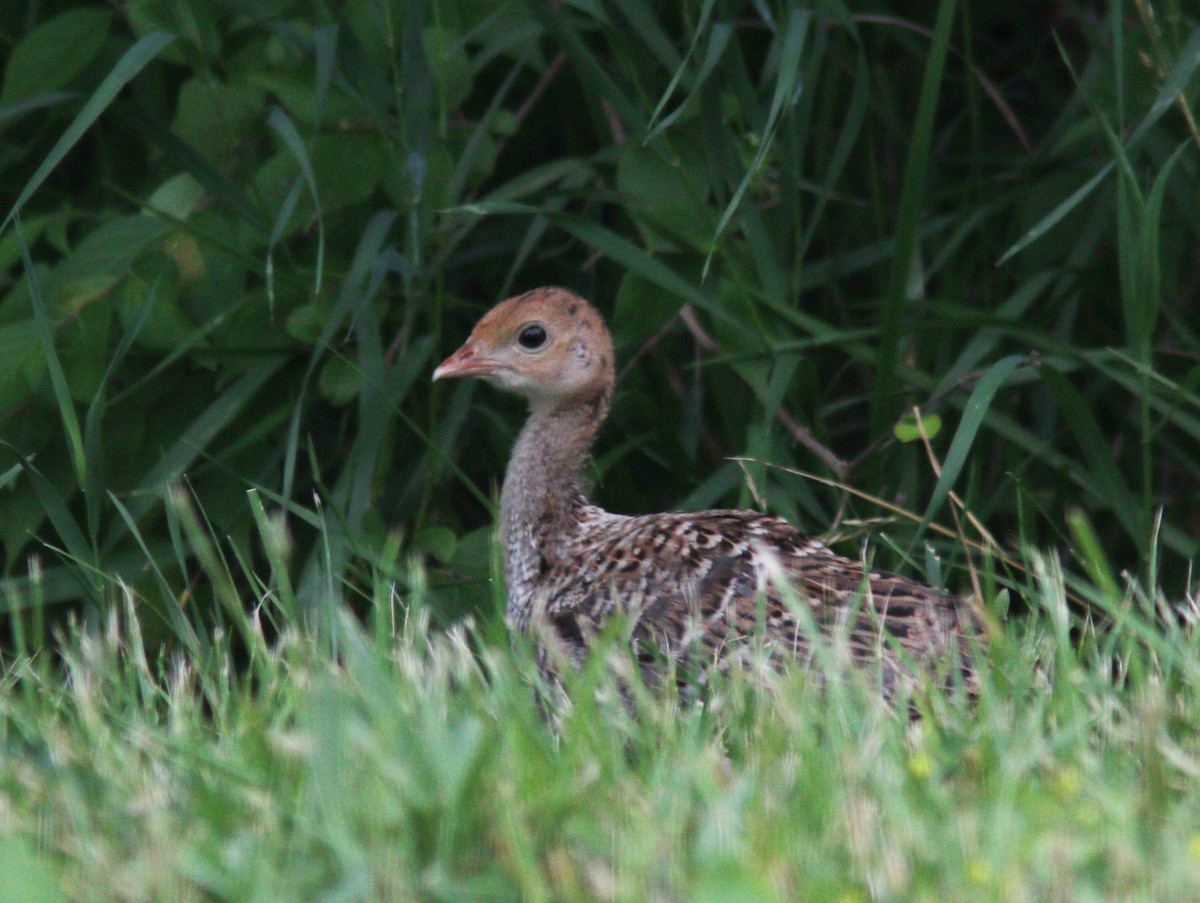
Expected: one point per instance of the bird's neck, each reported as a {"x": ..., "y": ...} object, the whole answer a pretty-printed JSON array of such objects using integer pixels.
[{"x": 544, "y": 488}]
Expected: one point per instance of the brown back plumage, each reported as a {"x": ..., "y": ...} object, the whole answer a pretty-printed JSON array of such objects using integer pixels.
[{"x": 699, "y": 586}]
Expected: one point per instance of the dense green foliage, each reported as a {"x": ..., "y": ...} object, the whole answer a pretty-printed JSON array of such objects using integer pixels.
[
  {"x": 236, "y": 239},
  {"x": 243, "y": 264}
]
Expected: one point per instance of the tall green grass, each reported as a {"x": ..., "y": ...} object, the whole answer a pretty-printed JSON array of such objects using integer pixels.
[{"x": 415, "y": 763}]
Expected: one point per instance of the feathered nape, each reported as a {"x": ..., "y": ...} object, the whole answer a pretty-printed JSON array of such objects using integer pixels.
[{"x": 696, "y": 584}]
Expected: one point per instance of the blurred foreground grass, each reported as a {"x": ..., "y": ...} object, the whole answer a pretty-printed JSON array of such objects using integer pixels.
[{"x": 364, "y": 765}]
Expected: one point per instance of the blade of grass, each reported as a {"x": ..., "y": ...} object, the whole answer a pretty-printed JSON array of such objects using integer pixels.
[
  {"x": 58, "y": 380},
  {"x": 787, "y": 88},
  {"x": 717, "y": 40},
  {"x": 1185, "y": 66},
  {"x": 129, "y": 65},
  {"x": 973, "y": 415},
  {"x": 273, "y": 533},
  {"x": 286, "y": 129},
  {"x": 61, "y": 519},
  {"x": 884, "y": 399},
  {"x": 175, "y": 616}
]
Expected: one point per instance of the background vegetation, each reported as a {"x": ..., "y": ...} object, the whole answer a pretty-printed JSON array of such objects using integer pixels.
[{"x": 237, "y": 238}]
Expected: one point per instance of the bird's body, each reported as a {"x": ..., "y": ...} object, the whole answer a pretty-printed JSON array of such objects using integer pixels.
[{"x": 696, "y": 586}]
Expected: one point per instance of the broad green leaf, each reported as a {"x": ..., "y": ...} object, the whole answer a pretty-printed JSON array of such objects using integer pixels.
[
  {"x": 177, "y": 197},
  {"x": 642, "y": 308},
  {"x": 134, "y": 60},
  {"x": 213, "y": 117},
  {"x": 907, "y": 429},
  {"x": 53, "y": 53},
  {"x": 339, "y": 382},
  {"x": 665, "y": 199}
]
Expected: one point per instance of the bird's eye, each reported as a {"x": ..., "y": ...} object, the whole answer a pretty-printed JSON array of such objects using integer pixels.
[{"x": 532, "y": 337}]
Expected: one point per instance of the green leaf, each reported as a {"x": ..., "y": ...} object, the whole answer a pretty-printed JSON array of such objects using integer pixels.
[
  {"x": 53, "y": 53},
  {"x": 440, "y": 542},
  {"x": 907, "y": 429},
  {"x": 177, "y": 197},
  {"x": 133, "y": 61},
  {"x": 665, "y": 200},
  {"x": 642, "y": 309},
  {"x": 213, "y": 117},
  {"x": 339, "y": 382}
]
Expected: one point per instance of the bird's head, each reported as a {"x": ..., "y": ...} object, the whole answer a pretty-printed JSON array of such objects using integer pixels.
[{"x": 549, "y": 346}]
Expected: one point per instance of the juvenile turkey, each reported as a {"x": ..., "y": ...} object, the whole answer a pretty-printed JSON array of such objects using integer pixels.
[{"x": 695, "y": 585}]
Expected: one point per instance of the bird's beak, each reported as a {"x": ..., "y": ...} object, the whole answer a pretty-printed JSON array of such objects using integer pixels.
[{"x": 469, "y": 360}]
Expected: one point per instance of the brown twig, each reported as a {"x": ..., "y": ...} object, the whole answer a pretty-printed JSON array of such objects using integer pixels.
[
  {"x": 615, "y": 126},
  {"x": 800, "y": 434},
  {"x": 1161, "y": 67},
  {"x": 647, "y": 345},
  {"x": 534, "y": 96},
  {"x": 988, "y": 88},
  {"x": 955, "y": 501},
  {"x": 989, "y": 545}
]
